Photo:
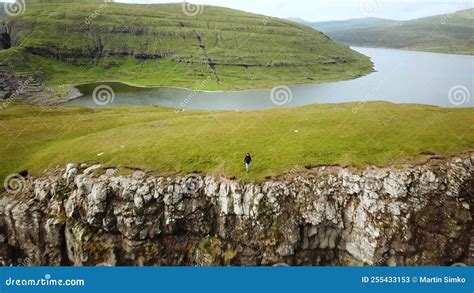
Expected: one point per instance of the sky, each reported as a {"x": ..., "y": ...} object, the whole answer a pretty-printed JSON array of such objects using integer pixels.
[{"x": 324, "y": 10}]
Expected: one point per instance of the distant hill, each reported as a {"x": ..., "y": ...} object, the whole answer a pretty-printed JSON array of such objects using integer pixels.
[
  {"x": 341, "y": 25},
  {"x": 449, "y": 33},
  {"x": 298, "y": 20}
]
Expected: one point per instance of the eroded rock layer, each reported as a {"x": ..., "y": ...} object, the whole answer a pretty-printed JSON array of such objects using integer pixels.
[{"x": 93, "y": 215}]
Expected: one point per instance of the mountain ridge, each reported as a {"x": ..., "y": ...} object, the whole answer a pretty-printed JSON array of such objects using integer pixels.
[
  {"x": 446, "y": 33},
  {"x": 336, "y": 25}
]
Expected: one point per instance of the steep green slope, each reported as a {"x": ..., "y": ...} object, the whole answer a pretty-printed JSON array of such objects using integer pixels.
[
  {"x": 166, "y": 44},
  {"x": 449, "y": 33}
]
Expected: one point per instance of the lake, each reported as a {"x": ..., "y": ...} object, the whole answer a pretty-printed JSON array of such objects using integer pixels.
[{"x": 401, "y": 77}]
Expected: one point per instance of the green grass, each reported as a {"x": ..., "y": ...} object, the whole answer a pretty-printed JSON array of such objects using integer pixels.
[
  {"x": 53, "y": 42},
  {"x": 165, "y": 72},
  {"x": 449, "y": 33},
  {"x": 280, "y": 140}
]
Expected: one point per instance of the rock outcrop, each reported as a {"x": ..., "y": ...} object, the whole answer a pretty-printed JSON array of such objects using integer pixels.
[
  {"x": 94, "y": 215},
  {"x": 27, "y": 88}
]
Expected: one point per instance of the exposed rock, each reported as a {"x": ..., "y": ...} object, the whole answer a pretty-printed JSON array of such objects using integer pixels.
[
  {"x": 92, "y": 169},
  {"x": 71, "y": 170},
  {"x": 15, "y": 87},
  {"x": 417, "y": 215},
  {"x": 73, "y": 93}
]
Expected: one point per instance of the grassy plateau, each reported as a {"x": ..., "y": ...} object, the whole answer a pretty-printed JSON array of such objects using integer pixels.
[{"x": 280, "y": 140}]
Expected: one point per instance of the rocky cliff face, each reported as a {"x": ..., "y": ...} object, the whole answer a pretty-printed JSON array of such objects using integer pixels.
[
  {"x": 81, "y": 215},
  {"x": 22, "y": 87}
]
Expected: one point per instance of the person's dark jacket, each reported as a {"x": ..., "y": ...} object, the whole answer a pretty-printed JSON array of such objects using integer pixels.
[{"x": 247, "y": 159}]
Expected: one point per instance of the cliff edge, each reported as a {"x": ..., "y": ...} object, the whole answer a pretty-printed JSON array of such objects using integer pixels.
[{"x": 95, "y": 215}]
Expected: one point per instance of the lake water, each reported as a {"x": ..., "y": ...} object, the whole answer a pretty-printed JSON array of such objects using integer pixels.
[{"x": 401, "y": 77}]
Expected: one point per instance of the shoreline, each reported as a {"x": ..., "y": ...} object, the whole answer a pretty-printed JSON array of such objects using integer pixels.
[
  {"x": 352, "y": 46},
  {"x": 209, "y": 91}
]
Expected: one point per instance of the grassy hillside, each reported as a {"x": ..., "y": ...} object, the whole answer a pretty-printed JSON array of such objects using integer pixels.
[
  {"x": 328, "y": 27},
  {"x": 449, "y": 33},
  {"x": 160, "y": 44},
  {"x": 280, "y": 140}
]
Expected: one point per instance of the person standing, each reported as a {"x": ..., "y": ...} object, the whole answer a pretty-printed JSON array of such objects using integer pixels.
[{"x": 247, "y": 161}]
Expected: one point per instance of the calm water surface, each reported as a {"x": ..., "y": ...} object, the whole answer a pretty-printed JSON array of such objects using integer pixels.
[{"x": 402, "y": 77}]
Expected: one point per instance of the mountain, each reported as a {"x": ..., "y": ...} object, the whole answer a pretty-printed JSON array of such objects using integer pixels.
[
  {"x": 172, "y": 44},
  {"x": 298, "y": 20},
  {"x": 449, "y": 33},
  {"x": 341, "y": 25}
]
